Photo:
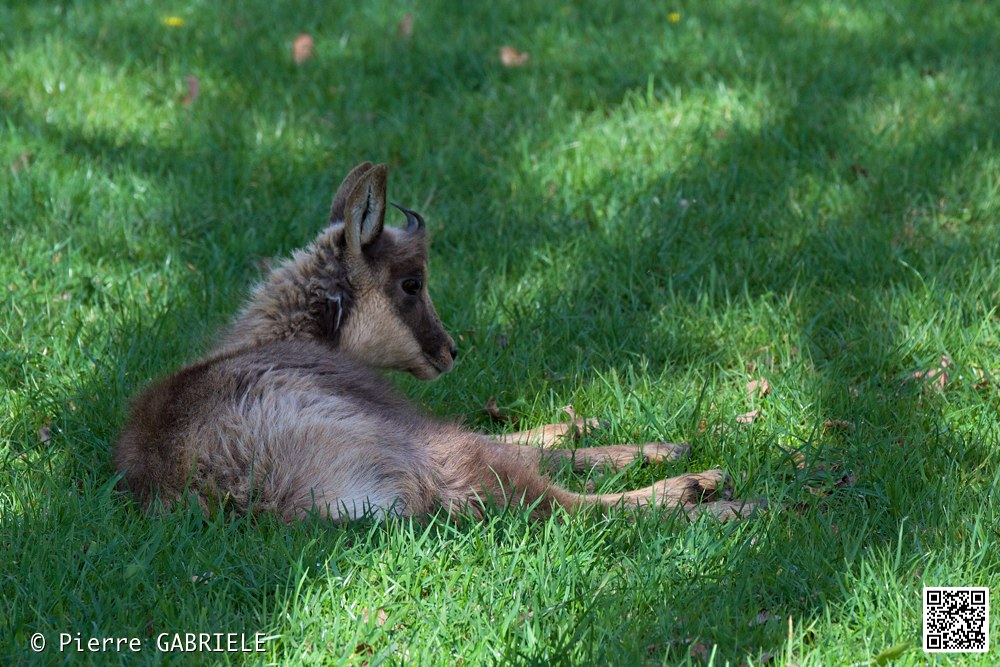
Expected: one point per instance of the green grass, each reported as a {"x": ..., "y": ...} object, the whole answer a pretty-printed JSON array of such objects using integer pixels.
[{"x": 638, "y": 221}]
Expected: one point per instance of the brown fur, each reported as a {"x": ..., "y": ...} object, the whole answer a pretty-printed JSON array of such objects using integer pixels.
[{"x": 288, "y": 414}]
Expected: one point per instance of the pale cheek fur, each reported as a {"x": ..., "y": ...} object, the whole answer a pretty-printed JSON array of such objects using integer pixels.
[{"x": 375, "y": 335}]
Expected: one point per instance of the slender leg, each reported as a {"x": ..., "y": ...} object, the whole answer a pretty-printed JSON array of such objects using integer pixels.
[
  {"x": 612, "y": 456},
  {"x": 551, "y": 434},
  {"x": 538, "y": 444},
  {"x": 507, "y": 474}
]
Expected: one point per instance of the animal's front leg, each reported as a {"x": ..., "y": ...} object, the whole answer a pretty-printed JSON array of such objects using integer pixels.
[
  {"x": 548, "y": 438},
  {"x": 552, "y": 434}
]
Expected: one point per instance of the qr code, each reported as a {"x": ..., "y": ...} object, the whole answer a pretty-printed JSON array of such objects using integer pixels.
[{"x": 956, "y": 620}]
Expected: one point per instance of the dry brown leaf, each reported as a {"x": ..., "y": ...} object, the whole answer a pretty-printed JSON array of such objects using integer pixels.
[
  {"x": 44, "y": 434},
  {"x": 406, "y": 26},
  {"x": 747, "y": 417},
  {"x": 193, "y": 90},
  {"x": 700, "y": 651},
  {"x": 800, "y": 460},
  {"x": 511, "y": 57},
  {"x": 492, "y": 410},
  {"x": 380, "y": 616},
  {"x": 302, "y": 48},
  {"x": 936, "y": 378},
  {"x": 364, "y": 648},
  {"x": 759, "y": 388},
  {"x": 847, "y": 480},
  {"x": 22, "y": 162},
  {"x": 838, "y": 425},
  {"x": 982, "y": 382}
]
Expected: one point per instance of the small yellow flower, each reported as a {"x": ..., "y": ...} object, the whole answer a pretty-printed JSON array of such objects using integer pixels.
[
  {"x": 674, "y": 17},
  {"x": 173, "y": 21}
]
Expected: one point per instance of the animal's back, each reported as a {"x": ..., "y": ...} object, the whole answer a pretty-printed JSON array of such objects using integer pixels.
[{"x": 283, "y": 427}]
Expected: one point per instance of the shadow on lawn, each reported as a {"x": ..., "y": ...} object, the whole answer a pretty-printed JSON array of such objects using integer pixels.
[
  {"x": 845, "y": 331},
  {"x": 840, "y": 273}
]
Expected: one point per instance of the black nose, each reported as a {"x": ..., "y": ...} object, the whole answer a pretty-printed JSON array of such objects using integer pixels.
[{"x": 454, "y": 353}]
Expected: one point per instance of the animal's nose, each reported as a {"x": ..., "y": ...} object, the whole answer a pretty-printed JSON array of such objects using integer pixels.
[{"x": 454, "y": 353}]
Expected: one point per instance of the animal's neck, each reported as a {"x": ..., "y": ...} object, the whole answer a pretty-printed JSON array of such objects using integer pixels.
[{"x": 279, "y": 309}]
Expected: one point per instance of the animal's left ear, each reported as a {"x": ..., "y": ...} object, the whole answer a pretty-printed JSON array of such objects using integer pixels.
[
  {"x": 364, "y": 213},
  {"x": 340, "y": 199}
]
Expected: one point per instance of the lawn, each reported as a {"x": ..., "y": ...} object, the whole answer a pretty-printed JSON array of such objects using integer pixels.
[{"x": 646, "y": 208}]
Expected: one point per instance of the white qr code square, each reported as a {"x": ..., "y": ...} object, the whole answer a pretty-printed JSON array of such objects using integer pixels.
[{"x": 956, "y": 620}]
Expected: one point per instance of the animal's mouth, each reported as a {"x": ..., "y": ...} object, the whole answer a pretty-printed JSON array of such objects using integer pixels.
[{"x": 439, "y": 367}]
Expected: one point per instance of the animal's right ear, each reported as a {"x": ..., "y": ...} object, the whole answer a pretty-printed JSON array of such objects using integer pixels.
[
  {"x": 340, "y": 199},
  {"x": 364, "y": 212}
]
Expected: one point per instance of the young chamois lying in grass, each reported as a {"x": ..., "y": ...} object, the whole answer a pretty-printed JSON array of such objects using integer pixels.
[{"x": 289, "y": 414}]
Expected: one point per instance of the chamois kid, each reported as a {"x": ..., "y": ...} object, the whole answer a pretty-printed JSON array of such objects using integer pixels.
[{"x": 290, "y": 412}]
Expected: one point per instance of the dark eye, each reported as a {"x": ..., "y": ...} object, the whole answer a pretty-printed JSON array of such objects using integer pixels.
[{"x": 412, "y": 286}]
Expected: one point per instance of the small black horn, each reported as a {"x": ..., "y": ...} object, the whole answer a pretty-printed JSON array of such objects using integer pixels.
[{"x": 414, "y": 220}]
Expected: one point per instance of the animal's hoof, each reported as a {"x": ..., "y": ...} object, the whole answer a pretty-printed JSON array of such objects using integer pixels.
[{"x": 664, "y": 451}]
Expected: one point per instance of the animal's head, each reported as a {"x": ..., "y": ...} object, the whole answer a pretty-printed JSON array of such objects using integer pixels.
[{"x": 369, "y": 290}]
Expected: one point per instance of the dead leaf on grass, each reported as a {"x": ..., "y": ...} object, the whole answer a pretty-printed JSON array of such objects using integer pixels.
[
  {"x": 44, "y": 434},
  {"x": 838, "y": 425},
  {"x": 380, "y": 616},
  {"x": 935, "y": 378},
  {"x": 847, "y": 480},
  {"x": 492, "y": 410},
  {"x": 759, "y": 388},
  {"x": 406, "y": 26},
  {"x": 982, "y": 382},
  {"x": 747, "y": 417},
  {"x": 22, "y": 162},
  {"x": 302, "y": 48},
  {"x": 700, "y": 651},
  {"x": 859, "y": 170},
  {"x": 511, "y": 57},
  {"x": 193, "y": 90}
]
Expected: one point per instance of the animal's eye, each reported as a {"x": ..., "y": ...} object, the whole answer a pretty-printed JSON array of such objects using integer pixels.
[{"x": 412, "y": 286}]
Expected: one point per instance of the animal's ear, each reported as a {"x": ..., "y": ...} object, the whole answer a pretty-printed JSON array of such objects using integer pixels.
[
  {"x": 340, "y": 199},
  {"x": 364, "y": 211}
]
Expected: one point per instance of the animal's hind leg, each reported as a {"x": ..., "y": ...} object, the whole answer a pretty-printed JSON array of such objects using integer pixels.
[
  {"x": 512, "y": 477},
  {"x": 697, "y": 494}
]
